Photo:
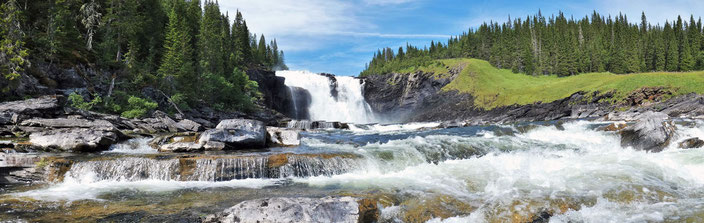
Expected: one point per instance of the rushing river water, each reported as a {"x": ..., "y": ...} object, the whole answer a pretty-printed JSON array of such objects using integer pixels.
[{"x": 512, "y": 173}]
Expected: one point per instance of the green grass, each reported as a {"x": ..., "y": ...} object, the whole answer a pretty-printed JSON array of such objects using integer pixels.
[{"x": 493, "y": 87}]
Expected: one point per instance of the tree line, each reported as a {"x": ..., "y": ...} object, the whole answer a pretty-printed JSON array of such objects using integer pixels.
[
  {"x": 564, "y": 46},
  {"x": 186, "y": 49}
]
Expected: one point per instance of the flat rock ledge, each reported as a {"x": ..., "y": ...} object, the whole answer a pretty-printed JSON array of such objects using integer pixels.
[{"x": 302, "y": 209}]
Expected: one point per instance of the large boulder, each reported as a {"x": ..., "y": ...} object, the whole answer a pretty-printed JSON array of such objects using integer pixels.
[
  {"x": 237, "y": 134},
  {"x": 283, "y": 137},
  {"x": 652, "y": 132},
  {"x": 74, "y": 139},
  {"x": 282, "y": 209}
]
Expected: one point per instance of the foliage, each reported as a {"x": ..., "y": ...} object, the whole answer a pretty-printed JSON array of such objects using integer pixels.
[
  {"x": 492, "y": 87},
  {"x": 175, "y": 46},
  {"x": 138, "y": 107},
  {"x": 13, "y": 54},
  {"x": 77, "y": 101},
  {"x": 563, "y": 46}
]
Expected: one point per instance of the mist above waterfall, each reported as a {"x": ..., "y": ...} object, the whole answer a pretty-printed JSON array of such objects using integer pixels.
[{"x": 331, "y": 98}]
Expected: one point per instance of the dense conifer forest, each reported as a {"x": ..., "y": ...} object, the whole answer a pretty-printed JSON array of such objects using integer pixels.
[
  {"x": 558, "y": 45},
  {"x": 187, "y": 49}
]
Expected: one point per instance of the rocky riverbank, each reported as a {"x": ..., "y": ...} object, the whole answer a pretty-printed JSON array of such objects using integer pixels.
[{"x": 420, "y": 97}]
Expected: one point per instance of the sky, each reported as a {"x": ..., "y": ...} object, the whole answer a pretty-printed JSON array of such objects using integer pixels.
[{"x": 341, "y": 36}]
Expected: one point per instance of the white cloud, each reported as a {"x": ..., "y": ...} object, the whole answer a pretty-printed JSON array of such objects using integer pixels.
[
  {"x": 299, "y": 17},
  {"x": 312, "y": 24},
  {"x": 387, "y": 2}
]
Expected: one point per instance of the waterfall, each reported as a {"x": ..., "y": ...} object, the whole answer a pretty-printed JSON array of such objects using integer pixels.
[
  {"x": 212, "y": 169},
  {"x": 333, "y": 98}
]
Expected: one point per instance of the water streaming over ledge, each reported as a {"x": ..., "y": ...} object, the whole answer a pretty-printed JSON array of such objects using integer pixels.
[
  {"x": 333, "y": 98},
  {"x": 575, "y": 172},
  {"x": 212, "y": 169}
]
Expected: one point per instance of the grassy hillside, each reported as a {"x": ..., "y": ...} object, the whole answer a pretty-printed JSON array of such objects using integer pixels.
[{"x": 494, "y": 87}]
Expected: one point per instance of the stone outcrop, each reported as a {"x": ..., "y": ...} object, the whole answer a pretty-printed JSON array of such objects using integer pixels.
[
  {"x": 237, "y": 134},
  {"x": 283, "y": 137},
  {"x": 74, "y": 139},
  {"x": 282, "y": 209},
  {"x": 14, "y": 112},
  {"x": 653, "y": 132}
]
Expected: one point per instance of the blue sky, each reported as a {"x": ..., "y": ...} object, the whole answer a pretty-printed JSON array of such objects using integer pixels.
[{"x": 340, "y": 36}]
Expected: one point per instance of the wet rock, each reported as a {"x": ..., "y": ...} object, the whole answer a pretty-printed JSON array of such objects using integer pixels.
[
  {"x": 281, "y": 209},
  {"x": 237, "y": 134},
  {"x": 190, "y": 125},
  {"x": 614, "y": 127},
  {"x": 542, "y": 217},
  {"x": 74, "y": 139},
  {"x": 214, "y": 146},
  {"x": 691, "y": 143},
  {"x": 181, "y": 147},
  {"x": 651, "y": 133},
  {"x": 283, "y": 137},
  {"x": 19, "y": 159},
  {"x": 312, "y": 125}
]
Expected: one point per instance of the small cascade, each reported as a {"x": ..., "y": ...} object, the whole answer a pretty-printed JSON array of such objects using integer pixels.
[
  {"x": 214, "y": 168},
  {"x": 327, "y": 97},
  {"x": 308, "y": 125}
]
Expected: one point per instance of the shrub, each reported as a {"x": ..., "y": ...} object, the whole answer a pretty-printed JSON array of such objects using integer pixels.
[
  {"x": 77, "y": 101},
  {"x": 138, "y": 107}
]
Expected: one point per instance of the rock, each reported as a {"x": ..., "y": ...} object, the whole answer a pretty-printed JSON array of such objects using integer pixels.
[
  {"x": 189, "y": 125},
  {"x": 614, "y": 127},
  {"x": 283, "y": 137},
  {"x": 214, "y": 146},
  {"x": 311, "y": 125},
  {"x": 237, "y": 134},
  {"x": 181, "y": 147},
  {"x": 74, "y": 139},
  {"x": 19, "y": 159},
  {"x": 651, "y": 133},
  {"x": 14, "y": 111},
  {"x": 691, "y": 143},
  {"x": 181, "y": 137},
  {"x": 281, "y": 209},
  {"x": 275, "y": 93},
  {"x": 101, "y": 125},
  {"x": 169, "y": 123}
]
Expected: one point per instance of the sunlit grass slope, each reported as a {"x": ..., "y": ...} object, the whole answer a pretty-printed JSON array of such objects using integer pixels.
[{"x": 493, "y": 87}]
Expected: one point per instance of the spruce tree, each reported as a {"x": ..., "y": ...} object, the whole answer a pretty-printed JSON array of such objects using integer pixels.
[{"x": 177, "y": 71}]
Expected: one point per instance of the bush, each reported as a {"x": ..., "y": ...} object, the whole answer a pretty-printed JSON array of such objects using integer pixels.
[
  {"x": 77, "y": 101},
  {"x": 138, "y": 107}
]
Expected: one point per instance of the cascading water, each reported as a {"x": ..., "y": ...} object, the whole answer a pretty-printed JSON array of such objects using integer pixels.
[
  {"x": 333, "y": 98},
  {"x": 573, "y": 171}
]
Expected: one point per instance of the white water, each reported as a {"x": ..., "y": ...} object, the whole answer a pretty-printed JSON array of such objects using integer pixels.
[
  {"x": 521, "y": 173},
  {"x": 348, "y": 107},
  {"x": 133, "y": 146}
]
